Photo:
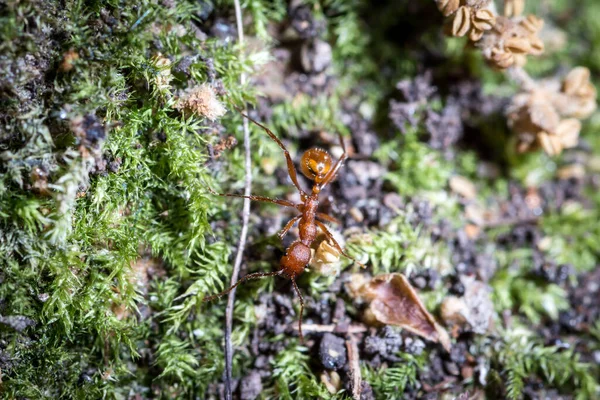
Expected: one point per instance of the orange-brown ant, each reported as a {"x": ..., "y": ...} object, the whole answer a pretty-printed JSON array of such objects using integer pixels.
[{"x": 316, "y": 165}]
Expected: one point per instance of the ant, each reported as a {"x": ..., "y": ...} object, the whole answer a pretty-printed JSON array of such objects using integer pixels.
[{"x": 316, "y": 165}]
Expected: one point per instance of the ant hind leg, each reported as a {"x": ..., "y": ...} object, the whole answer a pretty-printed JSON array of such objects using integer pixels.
[
  {"x": 284, "y": 203},
  {"x": 301, "y": 310},
  {"x": 256, "y": 275}
]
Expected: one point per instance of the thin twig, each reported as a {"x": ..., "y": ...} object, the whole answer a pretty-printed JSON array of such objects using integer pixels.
[
  {"x": 332, "y": 328},
  {"x": 510, "y": 221},
  {"x": 244, "y": 233},
  {"x": 353, "y": 363}
]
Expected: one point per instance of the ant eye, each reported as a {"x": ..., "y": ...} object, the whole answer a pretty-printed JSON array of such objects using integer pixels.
[{"x": 315, "y": 163}]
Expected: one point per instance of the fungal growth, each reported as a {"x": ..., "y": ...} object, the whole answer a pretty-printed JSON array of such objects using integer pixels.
[{"x": 316, "y": 165}]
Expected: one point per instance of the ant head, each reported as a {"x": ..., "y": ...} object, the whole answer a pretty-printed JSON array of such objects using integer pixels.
[{"x": 315, "y": 164}]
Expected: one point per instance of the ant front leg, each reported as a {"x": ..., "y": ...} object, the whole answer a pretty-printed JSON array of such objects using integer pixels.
[
  {"x": 256, "y": 275},
  {"x": 330, "y": 237},
  {"x": 284, "y": 203},
  {"x": 288, "y": 158}
]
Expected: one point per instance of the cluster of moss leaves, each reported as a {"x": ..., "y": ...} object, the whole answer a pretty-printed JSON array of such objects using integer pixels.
[
  {"x": 71, "y": 255},
  {"x": 69, "y": 250}
]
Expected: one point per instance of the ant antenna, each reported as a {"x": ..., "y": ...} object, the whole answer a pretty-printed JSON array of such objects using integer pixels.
[{"x": 256, "y": 275}]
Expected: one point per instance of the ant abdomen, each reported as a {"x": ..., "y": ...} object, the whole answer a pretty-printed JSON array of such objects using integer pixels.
[{"x": 295, "y": 259}]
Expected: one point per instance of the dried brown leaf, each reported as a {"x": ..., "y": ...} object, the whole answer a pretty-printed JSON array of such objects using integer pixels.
[
  {"x": 462, "y": 22},
  {"x": 475, "y": 35},
  {"x": 513, "y": 8},
  {"x": 502, "y": 59},
  {"x": 551, "y": 144},
  {"x": 483, "y": 20},
  {"x": 568, "y": 132},
  {"x": 542, "y": 114},
  {"x": 517, "y": 45},
  {"x": 577, "y": 81},
  {"x": 536, "y": 46},
  {"x": 393, "y": 301},
  {"x": 448, "y": 7},
  {"x": 520, "y": 60},
  {"x": 532, "y": 24}
]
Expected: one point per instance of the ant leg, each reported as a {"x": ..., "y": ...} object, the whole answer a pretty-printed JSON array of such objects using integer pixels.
[
  {"x": 288, "y": 226},
  {"x": 256, "y": 275},
  {"x": 335, "y": 243},
  {"x": 301, "y": 309},
  {"x": 284, "y": 203},
  {"x": 333, "y": 171},
  {"x": 290, "y": 163},
  {"x": 328, "y": 218}
]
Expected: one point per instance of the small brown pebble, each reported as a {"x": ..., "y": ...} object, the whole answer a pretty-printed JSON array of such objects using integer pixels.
[{"x": 394, "y": 201}]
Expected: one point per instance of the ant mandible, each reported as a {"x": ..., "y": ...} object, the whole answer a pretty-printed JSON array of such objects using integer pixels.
[{"x": 316, "y": 165}]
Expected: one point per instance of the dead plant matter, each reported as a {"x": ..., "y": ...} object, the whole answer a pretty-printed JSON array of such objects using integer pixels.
[{"x": 547, "y": 116}]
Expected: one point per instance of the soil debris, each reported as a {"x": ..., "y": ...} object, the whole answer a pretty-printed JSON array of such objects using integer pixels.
[{"x": 332, "y": 352}]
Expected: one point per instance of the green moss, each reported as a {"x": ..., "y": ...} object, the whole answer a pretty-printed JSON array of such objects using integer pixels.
[
  {"x": 67, "y": 259},
  {"x": 521, "y": 358},
  {"x": 392, "y": 382},
  {"x": 74, "y": 237},
  {"x": 415, "y": 168}
]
